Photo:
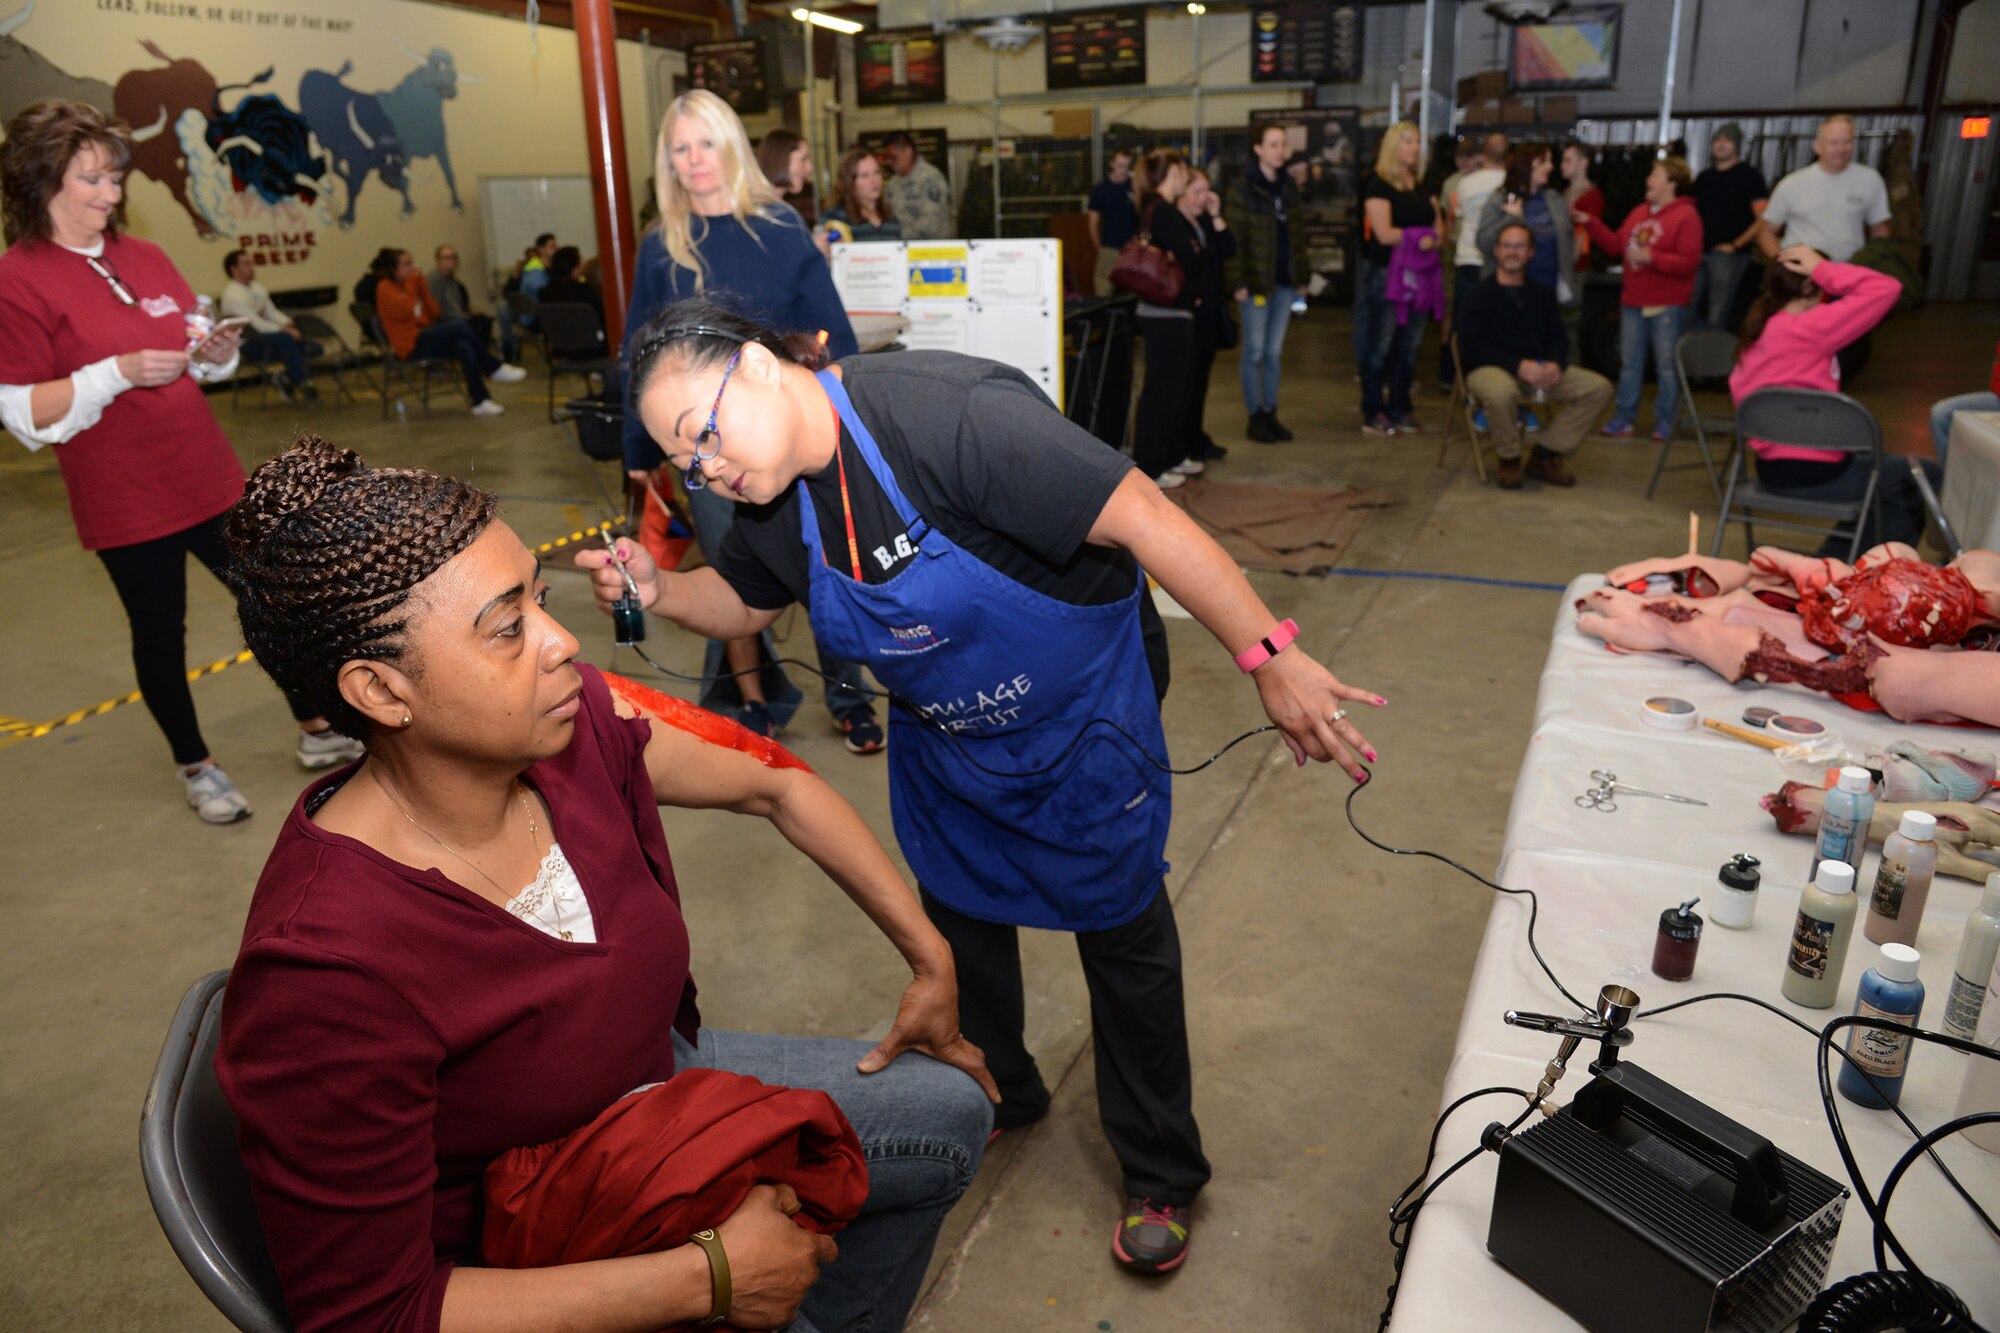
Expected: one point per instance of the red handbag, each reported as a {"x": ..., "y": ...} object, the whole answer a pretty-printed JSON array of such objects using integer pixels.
[{"x": 1147, "y": 271}]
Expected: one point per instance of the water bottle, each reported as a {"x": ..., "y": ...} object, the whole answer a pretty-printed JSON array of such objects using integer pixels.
[
  {"x": 402, "y": 413},
  {"x": 200, "y": 322}
]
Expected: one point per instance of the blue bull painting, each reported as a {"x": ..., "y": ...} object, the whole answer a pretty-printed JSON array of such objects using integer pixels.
[
  {"x": 384, "y": 132},
  {"x": 266, "y": 145},
  {"x": 356, "y": 133}
]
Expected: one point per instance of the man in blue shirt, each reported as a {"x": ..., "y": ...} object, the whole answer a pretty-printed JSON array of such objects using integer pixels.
[{"x": 1114, "y": 218}]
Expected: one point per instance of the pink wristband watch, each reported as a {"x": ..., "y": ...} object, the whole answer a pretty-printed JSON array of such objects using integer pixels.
[{"x": 1267, "y": 647}]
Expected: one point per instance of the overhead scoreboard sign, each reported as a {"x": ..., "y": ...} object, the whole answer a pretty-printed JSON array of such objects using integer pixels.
[
  {"x": 1100, "y": 49},
  {"x": 1320, "y": 42},
  {"x": 899, "y": 68}
]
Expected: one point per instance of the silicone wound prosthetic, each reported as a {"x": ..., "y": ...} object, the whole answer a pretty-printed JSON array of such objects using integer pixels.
[
  {"x": 1773, "y": 664},
  {"x": 702, "y": 724}
]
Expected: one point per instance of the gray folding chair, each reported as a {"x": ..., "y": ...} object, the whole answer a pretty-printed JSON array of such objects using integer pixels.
[
  {"x": 1704, "y": 355},
  {"x": 1463, "y": 407},
  {"x": 1811, "y": 420},
  {"x": 396, "y": 370},
  {"x": 195, "y": 1177},
  {"x": 1952, "y": 546},
  {"x": 336, "y": 353}
]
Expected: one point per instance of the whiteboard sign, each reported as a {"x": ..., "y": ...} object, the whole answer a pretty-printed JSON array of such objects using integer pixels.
[
  {"x": 871, "y": 277},
  {"x": 940, "y": 326},
  {"x": 1016, "y": 271},
  {"x": 517, "y": 209}
]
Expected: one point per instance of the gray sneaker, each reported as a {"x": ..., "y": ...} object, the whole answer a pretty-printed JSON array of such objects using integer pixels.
[
  {"x": 213, "y": 796},
  {"x": 328, "y": 749}
]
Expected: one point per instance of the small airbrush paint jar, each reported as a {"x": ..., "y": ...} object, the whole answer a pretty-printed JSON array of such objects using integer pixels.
[
  {"x": 1735, "y": 893},
  {"x": 1674, "y": 948}
]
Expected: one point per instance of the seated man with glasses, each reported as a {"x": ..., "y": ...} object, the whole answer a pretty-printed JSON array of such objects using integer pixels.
[{"x": 1514, "y": 350}]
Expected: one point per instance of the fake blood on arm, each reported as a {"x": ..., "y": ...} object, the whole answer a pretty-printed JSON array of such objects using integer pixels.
[{"x": 702, "y": 724}]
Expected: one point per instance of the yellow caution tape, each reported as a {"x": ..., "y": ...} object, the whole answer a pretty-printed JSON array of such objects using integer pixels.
[{"x": 14, "y": 729}]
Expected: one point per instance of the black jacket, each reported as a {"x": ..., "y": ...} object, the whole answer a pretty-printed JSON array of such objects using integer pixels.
[
  {"x": 1504, "y": 326},
  {"x": 1251, "y": 209}
]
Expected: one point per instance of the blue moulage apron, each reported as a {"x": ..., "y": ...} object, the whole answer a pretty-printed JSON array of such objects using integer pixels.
[{"x": 1015, "y": 676}]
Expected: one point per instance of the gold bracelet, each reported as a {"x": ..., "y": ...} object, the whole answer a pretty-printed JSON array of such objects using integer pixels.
[{"x": 718, "y": 1275}]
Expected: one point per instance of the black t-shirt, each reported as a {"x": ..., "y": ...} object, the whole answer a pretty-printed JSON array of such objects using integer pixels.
[
  {"x": 984, "y": 458},
  {"x": 1723, "y": 198},
  {"x": 1407, "y": 208}
]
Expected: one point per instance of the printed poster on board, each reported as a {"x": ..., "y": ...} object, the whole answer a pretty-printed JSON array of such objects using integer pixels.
[{"x": 1100, "y": 49}]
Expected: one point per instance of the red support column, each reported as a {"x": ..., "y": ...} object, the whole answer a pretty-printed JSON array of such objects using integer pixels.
[{"x": 604, "y": 124}]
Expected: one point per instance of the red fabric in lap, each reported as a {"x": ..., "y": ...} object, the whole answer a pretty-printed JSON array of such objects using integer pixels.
[
  {"x": 156, "y": 463},
  {"x": 666, "y": 1162}
]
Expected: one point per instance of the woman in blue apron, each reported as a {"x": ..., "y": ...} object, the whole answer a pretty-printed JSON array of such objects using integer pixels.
[{"x": 945, "y": 525}]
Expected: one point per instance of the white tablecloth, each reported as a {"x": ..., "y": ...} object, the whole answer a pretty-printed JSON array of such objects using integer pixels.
[
  {"x": 1971, "y": 496},
  {"x": 1602, "y": 880}
]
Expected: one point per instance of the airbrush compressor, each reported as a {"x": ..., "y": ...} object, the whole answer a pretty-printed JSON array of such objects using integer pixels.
[{"x": 1638, "y": 1209}]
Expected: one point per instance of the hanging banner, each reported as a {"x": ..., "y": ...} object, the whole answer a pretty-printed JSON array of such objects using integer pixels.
[
  {"x": 899, "y": 68},
  {"x": 733, "y": 71},
  {"x": 1103, "y": 49}
]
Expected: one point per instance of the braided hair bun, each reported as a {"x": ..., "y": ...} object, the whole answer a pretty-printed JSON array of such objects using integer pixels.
[{"x": 326, "y": 551}]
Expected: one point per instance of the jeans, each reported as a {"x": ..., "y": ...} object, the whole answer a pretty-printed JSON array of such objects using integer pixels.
[
  {"x": 1636, "y": 334},
  {"x": 1715, "y": 285},
  {"x": 922, "y": 1126},
  {"x": 151, "y": 579},
  {"x": 1903, "y": 512},
  {"x": 284, "y": 348},
  {"x": 1165, "y": 432},
  {"x": 1263, "y": 344},
  {"x": 1942, "y": 412},
  {"x": 455, "y": 339},
  {"x": 1385, "y": 352},
  {"x": 1138, "y": 1028}
]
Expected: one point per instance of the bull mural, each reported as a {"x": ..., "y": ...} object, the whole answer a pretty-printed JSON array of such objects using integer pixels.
[
  {"x": 266, "y": 145},
  {"x": 229, "y": 152},
  {"x": 28, "y": 76},
  {"x": 356, "y": 133},
  {"x": 416, "y": 108},
  {"x": 152, "y": 102}
]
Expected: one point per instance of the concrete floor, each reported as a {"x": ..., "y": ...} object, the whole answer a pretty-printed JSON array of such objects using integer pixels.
[{"x": 1325, "y": 978}]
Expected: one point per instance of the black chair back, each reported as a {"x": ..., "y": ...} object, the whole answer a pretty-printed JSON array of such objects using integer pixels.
[
  {"x": 1809, "y": 419},
  {"x": 364, "y": 315},
  {"x": 194, "y": 1175},
  {"x": 522, "y": 306},
  {"x": 1706, "y": 354},
  {"x": 573, "y": 329}
]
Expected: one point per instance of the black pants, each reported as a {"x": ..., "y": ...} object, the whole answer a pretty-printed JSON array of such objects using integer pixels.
[
  {"x": 1165, "y": 432},
  {"x": 455, "y": 338},
  {"x": 151, "y": 579},
  {"x": 1138, "y": 1025},
  {"x": 1204, "y": 366}
]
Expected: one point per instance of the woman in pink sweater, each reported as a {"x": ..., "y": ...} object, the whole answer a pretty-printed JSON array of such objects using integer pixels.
[
  {"x": 1810, "y": 308},
  {"x": 1660, "y": 245}
]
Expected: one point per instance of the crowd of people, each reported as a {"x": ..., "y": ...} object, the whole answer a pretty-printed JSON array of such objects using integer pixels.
[{"x": 945, "y": 527}]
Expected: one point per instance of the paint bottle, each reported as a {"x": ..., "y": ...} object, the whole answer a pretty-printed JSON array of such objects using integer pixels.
[
  {"x": 1903, "y": 881},
  {"x": 1890, "y": 990},
  {"x": 1675, "y": 946},
  {"x": 1976, "y": 955},
  {"x": 1818, "y": 947},
  {"x": 1981, "y": 1089},
  {"x": 1843, "y": 823},
  {"x": 1734, "y": 899}
]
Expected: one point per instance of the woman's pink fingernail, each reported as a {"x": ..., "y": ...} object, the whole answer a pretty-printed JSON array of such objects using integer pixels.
[
  {"x": 1371, "y": 756},
  {"x": 1380, "y": 702}
]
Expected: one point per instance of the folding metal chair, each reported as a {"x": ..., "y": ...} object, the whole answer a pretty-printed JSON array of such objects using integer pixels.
[
  {"x": 1953, "y": 547},
  {"x": 1704, "y": 355},
  {"x": 195, "y": 1177},
  {"x": 1812, "y": 420},
  {"x": 1463, "y": 405},
  {"x": 336, "y": 353},
  {"x": 397, "y": 370}
]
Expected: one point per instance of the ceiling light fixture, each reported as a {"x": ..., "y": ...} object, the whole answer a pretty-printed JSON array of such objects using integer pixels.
[{"x": 817, "y": 19}]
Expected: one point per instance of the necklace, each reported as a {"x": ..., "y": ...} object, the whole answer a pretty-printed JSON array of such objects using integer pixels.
[{"x": 534, "y": 839}]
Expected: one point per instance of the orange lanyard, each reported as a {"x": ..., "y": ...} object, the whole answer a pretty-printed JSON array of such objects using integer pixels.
[{"x": 846, "y": 509}]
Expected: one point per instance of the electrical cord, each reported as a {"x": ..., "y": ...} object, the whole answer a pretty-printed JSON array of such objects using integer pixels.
[
  {"x": 917, "y": 713},
  {"x": 1878, "y": 1302}
]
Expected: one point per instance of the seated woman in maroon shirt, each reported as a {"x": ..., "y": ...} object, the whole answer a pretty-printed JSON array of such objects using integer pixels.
[{"x": 471, "y": 940}]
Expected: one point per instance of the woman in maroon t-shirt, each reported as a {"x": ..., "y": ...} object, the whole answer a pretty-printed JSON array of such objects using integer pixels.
[
  {"x": 94, "y": 346},
  {"x": 472, "y": 941}
]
